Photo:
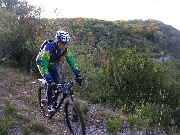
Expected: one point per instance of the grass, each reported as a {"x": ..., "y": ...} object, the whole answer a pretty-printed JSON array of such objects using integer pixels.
[
  {"x": 84, "y": 109},
  {"x": 35, "y": 127},
  {"x": 3, "y": 128},
  {"x": 9, "y": 112},
  {"x": 15, "y": 91},
  {"x": 11, "y": 118},
  {"x": 20, "y": 106},
  {"x": 18, "y": 98}
]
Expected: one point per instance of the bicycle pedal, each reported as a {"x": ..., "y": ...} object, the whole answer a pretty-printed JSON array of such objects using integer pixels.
[
  {"x": 43, "y": 101},
  {"x": 50, "y": 114}
]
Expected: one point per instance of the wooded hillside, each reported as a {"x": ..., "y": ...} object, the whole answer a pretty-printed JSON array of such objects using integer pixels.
[{"x": 115, "y": 59}]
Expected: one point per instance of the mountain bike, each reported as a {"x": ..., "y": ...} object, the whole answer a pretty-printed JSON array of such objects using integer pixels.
[{"x": 63, "y": 95}]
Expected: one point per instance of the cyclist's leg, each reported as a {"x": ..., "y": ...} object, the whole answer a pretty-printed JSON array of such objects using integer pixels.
[
  {"x": 55, "y": 75},
  {"x": 49, "y": 95}
]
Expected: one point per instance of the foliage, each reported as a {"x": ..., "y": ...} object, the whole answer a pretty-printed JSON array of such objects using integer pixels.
[
  {"x": 84, "y": 109},
  {"x": 130, "y": 79},
  {"x": 149, "y": 116},
  {"x": 19, "y": 40},
  {"x": 35, "y": 127},
  {"x": 10, "y": 113},
  {"x": 3, "y": 128},
  {"x": 9, "y": 110},
  {"x": 112, "y": 55},
  {"x": 113, "y": 123}
]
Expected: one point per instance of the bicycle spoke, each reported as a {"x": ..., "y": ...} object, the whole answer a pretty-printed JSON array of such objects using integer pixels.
[
  {"x": 74, "y": 118},
  {"x": 43, "y": 101}
]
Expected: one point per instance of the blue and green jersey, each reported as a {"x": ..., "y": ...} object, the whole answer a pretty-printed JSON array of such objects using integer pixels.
[{"x": 49, "y": 57}]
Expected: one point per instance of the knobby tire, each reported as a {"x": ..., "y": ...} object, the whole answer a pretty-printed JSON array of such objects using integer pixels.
[
  {"x": 43, "y": 101},
  {"x": 76, "y": 125},
  {"x": 73, "y": 118}
]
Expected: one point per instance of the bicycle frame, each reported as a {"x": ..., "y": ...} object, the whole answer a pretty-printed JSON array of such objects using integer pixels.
[
  {"x": 67, "y": 91},
  {"x": 72, "y": 113},
  {"x": 64, "y": 88}
]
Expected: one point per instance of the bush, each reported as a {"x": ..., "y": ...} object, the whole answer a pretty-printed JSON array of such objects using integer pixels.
[{"x": 130, "y": 79}]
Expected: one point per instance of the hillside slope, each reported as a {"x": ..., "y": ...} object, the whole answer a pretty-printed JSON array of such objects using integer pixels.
[
  {"x": 20, "y": 114},
  {"x": 19, "y": 96}
]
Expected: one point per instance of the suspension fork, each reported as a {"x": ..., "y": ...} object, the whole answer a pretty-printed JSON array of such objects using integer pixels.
[{"x": 61, "y": 101}]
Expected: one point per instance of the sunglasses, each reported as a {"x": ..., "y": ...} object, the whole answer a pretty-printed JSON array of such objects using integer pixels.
[{"x": 63, "y": 43}]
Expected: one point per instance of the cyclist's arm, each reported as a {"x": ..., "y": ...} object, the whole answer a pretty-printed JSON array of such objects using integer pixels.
[
  {"x": 44, "y": 64},
  {"x": 70, "y": 60}
]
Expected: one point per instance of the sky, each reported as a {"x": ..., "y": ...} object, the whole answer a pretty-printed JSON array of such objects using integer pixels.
[{"x": 166, "y": 11}]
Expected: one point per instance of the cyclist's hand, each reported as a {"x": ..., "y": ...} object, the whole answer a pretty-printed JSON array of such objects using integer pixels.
[
  {"x": 79, "y": 79},
  {"x": 78, "y": 76}
]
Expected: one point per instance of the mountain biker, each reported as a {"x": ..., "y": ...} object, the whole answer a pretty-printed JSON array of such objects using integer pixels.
[{"x": 47, "y": 62}]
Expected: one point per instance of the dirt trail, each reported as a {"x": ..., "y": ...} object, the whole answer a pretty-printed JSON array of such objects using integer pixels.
[
  {"x": 22, "y": 94},
  {"x": 19, "y": 90}
]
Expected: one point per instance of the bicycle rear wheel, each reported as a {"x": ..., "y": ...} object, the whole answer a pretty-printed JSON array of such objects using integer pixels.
[
  {"x": 43, "y": 101},
  {"x": 73, "y": 118}
]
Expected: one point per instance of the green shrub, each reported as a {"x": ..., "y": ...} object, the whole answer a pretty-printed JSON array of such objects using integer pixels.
[
  {"x": 3, "y": 129},
  {"x": 10, "y": 110},
  {"x": 84, "y": 109},
  {"x": 149, "y": 116},
  {"x": 35, "y": 127},
  {"x": 114, "y": 124}
]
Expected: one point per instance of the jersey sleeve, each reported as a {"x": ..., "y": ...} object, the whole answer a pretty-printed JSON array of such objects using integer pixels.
[
  {"x": 70, "y": 60},
  {"x": 44, "y": 63}
]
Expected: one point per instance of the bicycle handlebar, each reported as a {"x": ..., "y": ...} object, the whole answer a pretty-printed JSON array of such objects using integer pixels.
[
  {"x": 61, "y": 85},
  {"x": 68, "y": 84}
]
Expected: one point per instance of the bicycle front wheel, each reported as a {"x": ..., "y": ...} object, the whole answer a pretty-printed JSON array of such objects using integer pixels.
[
  {"x": 43, "y": 101},
  {"x": 73, "y": 118}
]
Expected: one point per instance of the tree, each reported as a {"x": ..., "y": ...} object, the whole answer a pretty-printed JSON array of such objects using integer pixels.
[{"x": 10, "y": 5}]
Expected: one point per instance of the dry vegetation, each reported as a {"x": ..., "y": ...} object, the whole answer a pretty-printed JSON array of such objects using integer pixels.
[
  {"x": 20, "y": 114},
  {"x": 18, "y": 97}
]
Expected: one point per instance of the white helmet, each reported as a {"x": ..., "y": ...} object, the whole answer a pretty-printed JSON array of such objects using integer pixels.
[{"x": 63, "y": 36}]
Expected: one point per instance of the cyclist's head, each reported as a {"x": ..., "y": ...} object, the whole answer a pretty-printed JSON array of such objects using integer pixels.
[{"x": 63, "y": 37}]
